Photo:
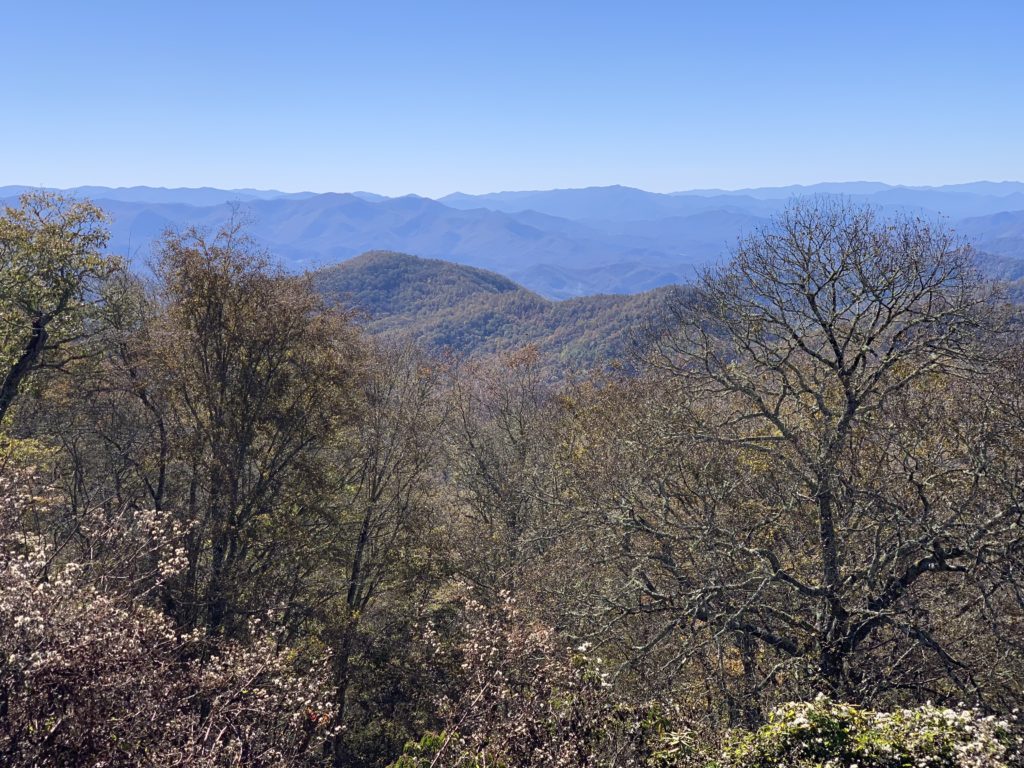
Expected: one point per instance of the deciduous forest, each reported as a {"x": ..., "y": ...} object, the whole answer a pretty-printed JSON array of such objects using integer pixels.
[{"x": 238, "y": 529}]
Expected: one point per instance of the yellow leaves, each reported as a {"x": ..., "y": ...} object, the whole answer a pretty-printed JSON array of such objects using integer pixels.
[
  {"x": 755, "y": 461},
  {"x": 23, "y": 453},
  {"x": 732, "y": 664}
]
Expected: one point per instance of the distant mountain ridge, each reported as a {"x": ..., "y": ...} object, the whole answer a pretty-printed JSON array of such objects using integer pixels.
[
  {"x": 558, "y": 243},
  {"x": 996, "y": 188},
  {"x": 617, "y": 203},
  {"x": 198, "y": 196}
]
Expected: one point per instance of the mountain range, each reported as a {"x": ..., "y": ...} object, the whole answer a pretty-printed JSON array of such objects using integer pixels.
[{"x": 556, "y": 243}]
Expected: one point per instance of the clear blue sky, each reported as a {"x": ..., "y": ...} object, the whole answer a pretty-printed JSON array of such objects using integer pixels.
[{"x": 433, "y": 97}]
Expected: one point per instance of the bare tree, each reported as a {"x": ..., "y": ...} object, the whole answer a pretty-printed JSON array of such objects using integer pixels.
[
  {"x": 500, "y": 434},
  {"x": 381, "y": 508},
  {"x": 818, "y": 506}
]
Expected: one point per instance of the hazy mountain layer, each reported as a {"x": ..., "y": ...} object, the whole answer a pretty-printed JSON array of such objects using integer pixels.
[
  {"x": 626, "y": 204},
  {"x": 558, "y": 243}
]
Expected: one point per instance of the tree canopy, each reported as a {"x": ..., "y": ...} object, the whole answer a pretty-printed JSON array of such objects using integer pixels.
[{"x": 240, "y": 528}]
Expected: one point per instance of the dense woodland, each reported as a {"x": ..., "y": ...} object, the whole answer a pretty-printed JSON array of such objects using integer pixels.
[
  {"x": 239, "y": 529},
  {"x": 449, "y": 308}
]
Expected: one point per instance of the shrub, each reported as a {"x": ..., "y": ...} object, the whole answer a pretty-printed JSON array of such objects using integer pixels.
[
  {"x": 826, "y": 734},
  {"x": 529, "y": 702},
  {"x": 91, "y": 677}
]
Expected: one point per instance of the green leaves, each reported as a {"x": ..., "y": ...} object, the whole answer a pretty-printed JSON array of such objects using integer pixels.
[
  {"x": 828, "y": 733},
  {"x": 52, "y": 271}
]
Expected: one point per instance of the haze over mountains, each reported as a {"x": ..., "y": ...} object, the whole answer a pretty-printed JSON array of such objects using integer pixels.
[{"x": 558, "y": 243}]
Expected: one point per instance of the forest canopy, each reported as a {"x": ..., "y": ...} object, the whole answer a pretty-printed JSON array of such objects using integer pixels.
[{"x": 239, "y": 529}]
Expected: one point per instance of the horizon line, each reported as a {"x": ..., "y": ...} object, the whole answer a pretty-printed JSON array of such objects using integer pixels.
[{"x": 677, "y": 191}]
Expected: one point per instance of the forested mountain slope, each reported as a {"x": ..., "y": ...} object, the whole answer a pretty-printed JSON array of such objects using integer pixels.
[{"x": 471, "y": 311}]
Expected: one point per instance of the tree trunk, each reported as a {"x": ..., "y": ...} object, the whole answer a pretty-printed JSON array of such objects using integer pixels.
[
  {"x": 834, "y": 619},
  {"x": 24, "y": 364}
]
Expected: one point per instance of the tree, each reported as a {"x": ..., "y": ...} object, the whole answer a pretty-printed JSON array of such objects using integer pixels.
[
  {"x": 381, "y": 510},
  {"x": 824, "y": 498},
  {"x": 52, "y": 272},
  {"x": 260, "y": 380},
  {"x": 500, "y": 433}
]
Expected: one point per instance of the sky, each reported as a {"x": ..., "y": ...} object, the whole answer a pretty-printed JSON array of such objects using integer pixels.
[{"x": 436, "y": 97}]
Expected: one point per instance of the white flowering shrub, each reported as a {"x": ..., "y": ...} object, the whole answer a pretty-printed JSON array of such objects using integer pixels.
[
  {"x": 827, "y": 734},
  {"x": 91, "y": 676},
  {"x": 132, "y": 551},
  {"x": 527, "y": 701}
]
